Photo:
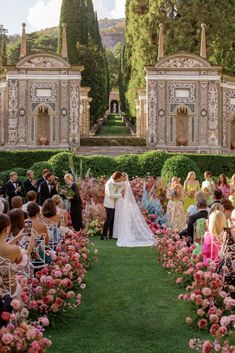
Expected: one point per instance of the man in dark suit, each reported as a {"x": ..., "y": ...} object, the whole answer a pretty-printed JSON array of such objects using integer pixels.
[
  {"x": 217, "y": 197},
  {"x": 202, "y": 213},
  {"x": 13, "y": 187},
  {"x": 31, "y": 183},
  {"x": 47, "y": 189},
  {"x": 40, "y": 181}
]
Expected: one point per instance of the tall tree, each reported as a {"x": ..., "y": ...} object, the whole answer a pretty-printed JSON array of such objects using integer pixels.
[
  {"x": 84, "y": 47},
  {"x": 3, "y": 41},
  {"x": 182, "y": 20}
]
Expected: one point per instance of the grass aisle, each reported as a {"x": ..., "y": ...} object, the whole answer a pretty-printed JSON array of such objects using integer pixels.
[
  {"x": 114, "y": 126},
  {"x": 130, "y": 306}
]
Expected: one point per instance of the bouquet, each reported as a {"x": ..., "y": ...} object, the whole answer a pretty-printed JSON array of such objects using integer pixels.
[{"x": 68, "y": 193}]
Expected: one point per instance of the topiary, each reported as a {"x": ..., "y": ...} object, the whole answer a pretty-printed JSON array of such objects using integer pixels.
[
  {"x": 179, "y": 166},
  {"x": 38, "y": 167},
  {"x": 151, "y": 163},
  {"x": 101, "y": 165},
  {"x": 129, "y": 164}
]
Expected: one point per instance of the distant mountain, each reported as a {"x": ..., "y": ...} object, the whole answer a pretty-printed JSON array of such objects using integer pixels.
[{"x": 112, "y": 32}]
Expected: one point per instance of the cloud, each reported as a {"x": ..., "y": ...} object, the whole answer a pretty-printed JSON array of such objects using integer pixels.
[
  {"x": 44, "y": 14},
  {"x": 119, "y": 9}
]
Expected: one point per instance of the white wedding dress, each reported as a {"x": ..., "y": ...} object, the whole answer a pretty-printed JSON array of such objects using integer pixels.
[{"x": 130, "y": 227}]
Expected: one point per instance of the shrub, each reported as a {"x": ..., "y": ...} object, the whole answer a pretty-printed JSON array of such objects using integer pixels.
[
  {"x": 217, "y": 164},
  {"x": 38, "y": 167},
  {"x": 129, "y": 164},
  {"x": 179, "y": 166},
  {"x": 152, "y": 163},
  {"x": 14, "y": 159},
  {"x": 4, "y": 176},
  {"x": 101, "y": 165}
]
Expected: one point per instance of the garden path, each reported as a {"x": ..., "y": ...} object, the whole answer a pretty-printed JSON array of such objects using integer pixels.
[{"x": 129, "y": 306}]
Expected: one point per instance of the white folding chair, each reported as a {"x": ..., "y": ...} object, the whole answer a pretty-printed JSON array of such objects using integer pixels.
[{"x": 6, "y": 282}]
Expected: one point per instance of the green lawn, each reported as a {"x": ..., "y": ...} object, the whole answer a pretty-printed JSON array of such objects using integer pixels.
[
  {"x": 130, "y": 306},
  {"x": 114, "y": 126}
]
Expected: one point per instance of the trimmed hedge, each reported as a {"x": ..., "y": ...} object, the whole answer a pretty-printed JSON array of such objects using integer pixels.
[
  {"x": 152, "y": 163},
  {"x": 38, "y": 167},
  {"x": 4, "y": 176},
  {"x": 24, "y": 159},
  {"x": 179, "y": 166},
  {"x": 217, "y": 164}
]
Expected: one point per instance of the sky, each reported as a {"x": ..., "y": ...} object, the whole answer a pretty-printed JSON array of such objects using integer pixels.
[{"x": 40, "y": 14}]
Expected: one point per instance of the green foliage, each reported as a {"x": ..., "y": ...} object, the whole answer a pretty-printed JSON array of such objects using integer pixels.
[
  {"x": 217, "y": 164},
  {"x": 38, "y": 167},
  {"x": 101, "y": 165},
  {"x": 85, "y": 48},
  {"x": 179, "y": 166},
  {"x": 152, "y": 162},
  {"x": 182, "y": 22},
  {"x": 4, "y": 176},
  {"x": 13, "y": 159},
  {"x": 3, "y": 40},
  {"x": 129, "y": 164},
  {"x": 113, "y": 60}
]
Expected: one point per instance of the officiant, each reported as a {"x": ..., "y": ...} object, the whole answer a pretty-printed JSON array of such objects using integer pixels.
[{"x": 75, "y": 202}]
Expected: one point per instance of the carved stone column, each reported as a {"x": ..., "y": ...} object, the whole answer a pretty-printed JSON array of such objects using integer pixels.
[
  {"x": 141, "y": 117},
  {"x": 2, "y": 110},
  {"x": 74, "y": 118},
  {"x": 84, "y": 111},
  {"x": 203, "y": 114},
  {"x": 152, "y": 113},
  {"x": 213, "y": 114},
  {"x": 22, "y": 113},
  {"x": 161, "y": 91},
  {"x": 64, "y": 125},
  {"x": 13, "y": 95}
]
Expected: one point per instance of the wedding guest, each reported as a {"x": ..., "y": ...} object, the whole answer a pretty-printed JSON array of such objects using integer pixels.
[
  {"x": 202, "y": 212},
  {"x": 175, "y": 208},
  {"x": 224, "y": 186},
  {"x": 13, "y": 187},
  {"x": 193, "y": 208},
  {"x": 41, "y": 180},
  {"x": 30, "y": 197},
  {"x": 17, "y": 202},
  {"x": 227, "y": 266},
  {"x": 232, "y": 190},
  {"x": 18, "y": 258},
  {"x": 217, "y": 197},
  {"x": 2, "y": 190},
  {"x": 49, "y": 213},
  {"x": 60, "y": 211},
  {"x": 31, "y": 183},
  {"x": 213, "y": 238},
  {"x": 38, "y": 226},
  {"x": 47, "y": 189},
  {"x": 75, "y": 202},
  {"x": 191, "y": 186},
  {"x": 208, "y": 186},
  {"x": 228, "y": 208},
  {"x": 17, "y": 218},
  {"x": 1, "y": 207}
]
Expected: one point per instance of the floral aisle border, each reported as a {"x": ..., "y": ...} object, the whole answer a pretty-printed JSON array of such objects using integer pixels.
[{"x": 54, "y": 289}]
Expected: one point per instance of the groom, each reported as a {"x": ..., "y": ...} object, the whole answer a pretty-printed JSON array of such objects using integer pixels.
[{"x": 111, "y": 195}]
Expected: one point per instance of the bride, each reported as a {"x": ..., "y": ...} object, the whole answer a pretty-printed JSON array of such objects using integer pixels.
[{"x": 130, "y": 228}]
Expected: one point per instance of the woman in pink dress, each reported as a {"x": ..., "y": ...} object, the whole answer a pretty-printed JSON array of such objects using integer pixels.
[
  {"x": 213, "y": 238},
  {"x": 224, "y": 186}
]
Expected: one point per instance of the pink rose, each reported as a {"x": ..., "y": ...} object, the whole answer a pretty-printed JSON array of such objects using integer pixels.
[
  {"x": 214, "y": 319},
  {"x": 16, "y": 304},
  {"x": 36, "y": 346},
  {"x": 44, "y": 321},
  {"x": 225, "y": 321},
  {"x": 7, "y": 338},
  {"x": 207, "y": 347},
  {"x": 202, "y": 323},
  {"x": 179, "y": 280},
  {"x": 207, "y": 292},
  {"x": 31, "y": 334}
]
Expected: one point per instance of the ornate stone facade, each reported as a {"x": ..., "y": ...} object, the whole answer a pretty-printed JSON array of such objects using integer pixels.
[
  {"x": 190, "y": 106},
  {"x": 40, "y": 104}
]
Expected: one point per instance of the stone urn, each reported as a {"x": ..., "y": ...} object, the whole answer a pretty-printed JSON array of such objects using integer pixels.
[
  {"x": 182, "y": 141},
  {"x": 43, "y": 141},
  {"x": 233, "y": 145}
]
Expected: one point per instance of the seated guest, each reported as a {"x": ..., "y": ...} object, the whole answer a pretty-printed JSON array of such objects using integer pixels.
[
  {"x": 217, "y": 197},
  {"x": 49, "y": 213},
  {"x": 216, "y": 207},
  {"x": 17, "y": 218},
  {"x": 1, "y": 207},
  {"x": 33, "y": 211},
  {"x": 31, "y": 183},
  {"x": 214, "y": 237},
  {"x": 193, "y": 208},
  {"x": 13, "y": 188},
  {"x": 47, "y": 189},
  {"x": 6, "y": 206},
  {"x": 228, "y": 208},
  {"x": 17, "y": 202},
  {"x": 18, "y": 258},
  {"x": 60, "y": 211},
  {"x": 202, "y": 212},
  {"x": 31, "y": 197}
]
